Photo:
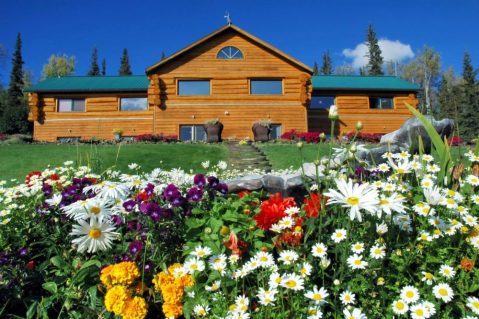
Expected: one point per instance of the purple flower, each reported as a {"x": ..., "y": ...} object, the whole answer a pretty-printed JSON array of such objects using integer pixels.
[
  {"x": 23, "y": 252},
  {"x": 135, "y": 247},
  {"x": 125, "y": 258},
  {"x": 213, "y": 181},
  {"x": 149, "y": 189},
  {"x": 155, "y": 216},
  {"x": 199, "y": 180},
  {"x": 171, "y": 192},
  {"x": 194, "y": 194},
  {"x": 222, "y": 188},
  {"x": 129, "y": 205},
  {"x": 134, "y": 225},
  {"x": 148, "y": 267},
  {"x": 47, "y": 190},
  {"x": 177, "y": 202},
  {"x": 3, "y": 258},
  {"x": 116, "y": 219}
]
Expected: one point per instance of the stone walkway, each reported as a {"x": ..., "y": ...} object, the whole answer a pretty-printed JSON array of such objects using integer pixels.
[{"x": 247, "y": 157}]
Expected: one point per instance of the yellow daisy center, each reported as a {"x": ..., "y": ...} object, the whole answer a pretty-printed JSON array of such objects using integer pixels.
[
  {"x": 475, "y": 304},
  {"x": 291, "y": 283},
  {"x": 95, "y": 210},
  {"x": 317, "y": 297},
  {"x": 357, "y": 262},
  {"x": 383, "y": 202},
  {"x": 443, "y": 292},
  {"x": 352, "y": 200},
  {"x": 263, "y": 258},
  {"x": 409, "y": 294},
  {"x": 428, "y": 275},
  {"x": 419, "y": 312},
  {"x": 400, "y": 305},
  {"x": 94, "y": 233}
]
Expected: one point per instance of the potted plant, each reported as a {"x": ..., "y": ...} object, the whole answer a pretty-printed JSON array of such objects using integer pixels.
[
  {"x": 262, "y": 130},
  {"x": 213, "y": 129},
  {"x": 117, "y": 134}
]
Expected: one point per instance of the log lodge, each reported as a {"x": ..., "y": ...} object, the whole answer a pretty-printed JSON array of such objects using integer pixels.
[{"x": 230, "y": 75}]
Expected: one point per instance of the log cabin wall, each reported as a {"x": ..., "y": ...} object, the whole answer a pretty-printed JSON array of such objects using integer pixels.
[
  {"x": 230, "y": 100},
  {"x": 101, "y": 116},
  {"x": 355, "y": 106}
]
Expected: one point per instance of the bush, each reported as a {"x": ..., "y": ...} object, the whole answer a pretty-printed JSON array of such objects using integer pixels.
[
  {"x": 309, "y": 137},
  {"x": 156, "y": 138},
  {"x": 455, "y": 141},
  {"x": 364, "y": 137},
  {"x": 3, "y": 137}
]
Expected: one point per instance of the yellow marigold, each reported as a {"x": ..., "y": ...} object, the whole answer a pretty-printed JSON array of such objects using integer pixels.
[
  {"x": 187, "y": 281},
  {"x": 135, "y": 308},
  {"x": 105, "y": 275},
  {"x": 161, "y": 279},
  {"x": 124, "y": 273},
  {"x": 173, "y": 310},
  {"x": 172, "y": 268},
  {"x": 115, "y": 299},
  {"x": 172, "y": 293}
]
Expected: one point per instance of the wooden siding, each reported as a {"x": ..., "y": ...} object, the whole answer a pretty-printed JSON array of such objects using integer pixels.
[
  {"x": 354, "y": 107},
  {"x": 230, "y": 98},
  {"x": 101, "y": 116}
]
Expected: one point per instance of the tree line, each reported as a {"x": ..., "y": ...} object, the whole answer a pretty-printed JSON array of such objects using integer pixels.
[{"x": 443, "y": 93}]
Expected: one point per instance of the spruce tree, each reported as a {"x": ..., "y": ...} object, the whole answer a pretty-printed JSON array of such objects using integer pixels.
[
  {"x": 163, "y": 55},
  {"x": 375, "y": 65},
  {"x": 125, "y": 68},
  {"x": 15, "y": 114},
  {"x": 327, "y": 67},
  {"x": 315, "y": 69},
  {"x": 468, "y": 124},
  {"x": 448, "y": 96},
  {"x": 103, "y": 67},
  {"x": 94, "y": 68}
]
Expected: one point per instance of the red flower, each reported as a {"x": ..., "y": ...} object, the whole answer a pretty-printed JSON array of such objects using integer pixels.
[
  {"x": 243, "y": 193},
  {"x": 237, "y": 247},
  {"x": 467, "y": 264},
  {"x": 29, "y": 177},
  {"x": 143, "y": 196},
  {"x": 312, "y": 205},
  {"x": 30, "y": 265},
  {"x": 272, "y": 210}
]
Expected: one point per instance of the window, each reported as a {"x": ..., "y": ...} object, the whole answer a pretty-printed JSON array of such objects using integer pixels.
[
  {"x": 266, "y": 87},
  {"x": 322, "y": 102},
  {"x": 133, "y": 104},
  {"x": 192, "y": 133},
  {"x": 275, "y": 131},
  {"x": 229, "y": 52},
  {"x": 71, "y": 105},
  {"x": 381, "y": 102},
  {"x": 193, "y": 87}
]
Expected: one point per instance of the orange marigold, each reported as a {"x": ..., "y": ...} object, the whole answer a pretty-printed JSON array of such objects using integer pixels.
[
  {"x": 172, "y": 310},
  {"x": 172, "y": 268},
  {"x": 116, "y": 298},
  {"x": 105, "y": 276},
  {"x": 161, "y": 279},
  {"x": 124, "y": 273},
  {"x": 467, "y": 264},
  {"x": 135, "y": 308},
  {"x": 172, "y": 293}
]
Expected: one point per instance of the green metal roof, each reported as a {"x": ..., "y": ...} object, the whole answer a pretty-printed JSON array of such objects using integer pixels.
[
  {"x": 356, "y": 82},
  {"x": 91, "y": 84}
]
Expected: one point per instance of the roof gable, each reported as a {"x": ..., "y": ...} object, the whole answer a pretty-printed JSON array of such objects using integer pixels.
[
  {"x": 91, "y": 84},
  {"x": 226, "y": 28},
  {"x": 356, "y": 82}
]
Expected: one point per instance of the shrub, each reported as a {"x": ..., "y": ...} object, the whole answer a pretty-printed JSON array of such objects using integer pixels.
[
  {"x": 364, "y": 137},
  {"x": 3, "y": 137},
  {"x": 309, "y": 137},
  {"x": 156, "y": 138}
]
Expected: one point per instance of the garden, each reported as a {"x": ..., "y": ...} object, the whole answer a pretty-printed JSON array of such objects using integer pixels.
[{"x": 396, "y": 239}]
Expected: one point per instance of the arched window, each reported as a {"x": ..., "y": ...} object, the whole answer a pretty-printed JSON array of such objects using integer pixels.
[{"x": 230, "y": 52}]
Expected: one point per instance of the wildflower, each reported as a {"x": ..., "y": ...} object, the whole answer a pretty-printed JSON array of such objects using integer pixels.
[
  {"x": 275, "y": 280},
  {"x": 201, "y": 251},
  {"x": 473, "y": 304},
  {"x": 400, "y": 307},
  {"x": 264, "y": 259},
  {"x": 312, "y": 206},
  {"x": 318, "y": 296},
  {"x": 347, "y": 298},
  {"x": 95, "y": 235},
  {"x": 222, "y": 165},
  {"x": 205, "y": 164},
  {"x": 409, "y": 294},
  {"x": 467, "y": 264},
  {"x": 419, "y": 311},
  {"x": 447, "y": 271},
  {"x": 266, "y": 297},
  {"x": 319, "y": 250},
  {"x": 194, "y": 264},
  {"x": 273, "y": 210},
  {"x": 201, "y": 311},
  {"x": 428, "y": 278},
  {"x": 293, "y": 282},
  {"x": 378, "y": 252},
  {"x": 355, "y": 197},
  {"x": 355, "y": 314},
  {"x": 305, "y": 269},
  {"x": 333, "y": 113},
  {"x": 357, "y": 262},
  {"x": 430, "y": 308},
  {"x": 214, "y": 286},
  {"x": 339, "y": 235},
  {"x": 381, "y": 229},
  {"x": 288, "y": 257},
  {"x": 443, "y": 291},
  {"x": 357, "y": 248},
  {"x": 473, "y": 180}
]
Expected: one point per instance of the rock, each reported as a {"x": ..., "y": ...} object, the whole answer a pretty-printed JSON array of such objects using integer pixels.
[
  {"x": 374, "y": 155},
  {"x": 250, "y": 183}
]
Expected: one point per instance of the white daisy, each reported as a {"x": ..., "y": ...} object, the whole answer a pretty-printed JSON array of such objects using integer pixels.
[
  {"x": 400, "y": 307},
  {"x": 55, "y": 200},
  {"x": 355, "y": 197},
  {"x": 214, "y": 286},
  {"x": 318, "y": 296},
  {"x": 201, "y": 251},
  {"x": 95, "y": 235},
  {"x": 409, "y": 294},
  {"x": 291, "y": 211},
  {"x": 201, "y": 311},
  {"x": 381, "y": 229},
  {"x": 275, "y": 280},
  {"x": 266, "y": 297},
  {"x": 383, "y": 167},
  {"x": 288, "y": 257},
  {"x": 305, "y": 269},
  {"x": 428, "y": 278},
  {"x": 473, "y": 304},
  {"x": 475, "y": 241},
  {"x": 355, "y": 314},
  {"x": 357, "y": 262},
  {"x": 447, "y": 271},
  {"x": 339, "y": 235},
  {"x": 357, "y": 248},
  {"x": 473, "y": 180},
  {"x": 293, "y": 282},
  {"x": 319, "y": 250},
  {"x": 377, "y": 252},
  {"x": 264, "y": 259},
  {"x": 419, "y": 311},
  {"x": 443, "y": 291},
  {"x": 194, "y": 264},
  {"x": 347, "y": 298}
]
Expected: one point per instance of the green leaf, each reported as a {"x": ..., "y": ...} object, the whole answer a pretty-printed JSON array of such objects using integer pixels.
[
  {"x": 58, "y": 262},
  {"x": 215, "y": 224},
  {"x": 32, "y": 310},
  {"x": 51, "y": 287},
  {"x": 194, "y": 222},
  {"x": 92, "y": 262},
  {"x": 92, "y": 293}
]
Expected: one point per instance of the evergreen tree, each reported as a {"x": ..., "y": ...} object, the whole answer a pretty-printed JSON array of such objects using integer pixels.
[
  {"x": 315, "y": 68},
  {"x": 163, "y": 55},
  {"x": 375, "y": 64},
  {"x": 327, "y": 67},
  {"x": 469, "y": 106},
  {"x": 103, "y": 67},
  {"x": 448, "y": 96},
  {"x": 94, "y": 68},
  {"x": 125, "y": 68},
  {"x": 15, "y": 113}
]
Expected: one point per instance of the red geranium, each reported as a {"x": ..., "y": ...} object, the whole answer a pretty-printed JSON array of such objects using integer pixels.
[
  {"x": 312, "y": 205},
  {"x": 272, "y": 210}
]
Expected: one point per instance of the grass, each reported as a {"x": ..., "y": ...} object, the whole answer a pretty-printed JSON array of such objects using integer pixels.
[
  {"x": 19, "y": 159},
  {"x": 286, "y": 155}
]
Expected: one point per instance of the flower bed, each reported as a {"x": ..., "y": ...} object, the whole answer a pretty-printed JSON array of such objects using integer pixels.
[
  {"x": 309, "y": 137},
  {"x": 364, "y": 137},
  {"x": 392, "y": 241},
  {"x": 156, "y": 138}
]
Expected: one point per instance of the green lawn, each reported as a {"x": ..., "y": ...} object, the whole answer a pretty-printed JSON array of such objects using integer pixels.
[
  {"x": 286, "y": 155},
  {"x": 19, "y": 159}
]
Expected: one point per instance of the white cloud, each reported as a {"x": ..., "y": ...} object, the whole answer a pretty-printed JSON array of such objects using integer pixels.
[{"x": 390, "y": 51}]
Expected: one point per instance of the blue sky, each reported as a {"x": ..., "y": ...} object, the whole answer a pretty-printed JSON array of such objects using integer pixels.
[{"x": 303, "y": 29}]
